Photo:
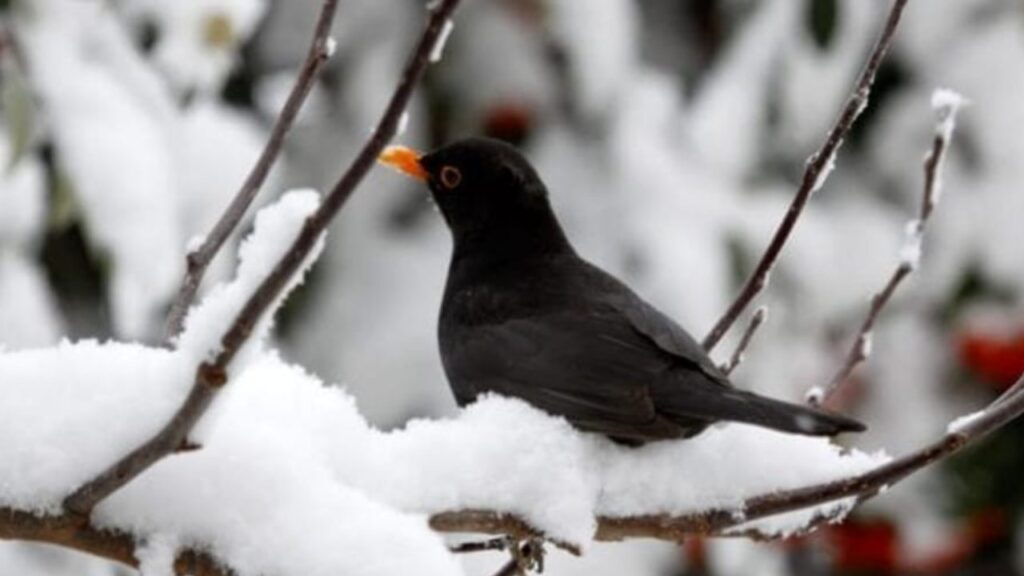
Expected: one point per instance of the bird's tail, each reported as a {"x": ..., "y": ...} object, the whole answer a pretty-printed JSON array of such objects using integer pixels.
[{"x": 717, "y": 402}]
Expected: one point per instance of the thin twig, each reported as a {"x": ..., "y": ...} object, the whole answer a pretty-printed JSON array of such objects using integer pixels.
[
  {"x": 860, "y": 350},
  {"x": 199, "y": 259},
  {"x": 211, "y": 375},
  {"x": 723, "y": 522},
  {"x": 737, "y": 356},
  {"x": 502, "y": 543},
  {"x": 815, "y": 172}
]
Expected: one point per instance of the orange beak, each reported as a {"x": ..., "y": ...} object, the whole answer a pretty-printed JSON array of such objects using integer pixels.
[{"x": 405, "y": 160}]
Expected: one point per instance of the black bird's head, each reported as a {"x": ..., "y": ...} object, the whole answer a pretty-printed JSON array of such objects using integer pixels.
[{"x": 486, "y": 190}]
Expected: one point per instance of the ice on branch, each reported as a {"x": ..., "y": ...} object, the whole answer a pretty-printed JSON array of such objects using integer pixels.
[
  {"x": 865, "y": 343},
  {"x": 910, "y": 250},
  {"x": 330, "y": 46},
  {"x": 815, "y": 395},
  {"x": 275, "y": 228},
  {"x": 403, "y": 123},
  {"x": 442, "y": 40},
  {"x": 946, "y": 104},
  {"x": 963, "y": 422},
  {"x": 826, "y": 171}
]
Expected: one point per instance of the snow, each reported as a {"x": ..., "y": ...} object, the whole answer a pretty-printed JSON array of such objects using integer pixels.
[
  {"x": 438, "y": 50},
  {"x": 156, "y": 555},
  {"x": 965, "y": 421},
  {"x": 285, "y": 447},
  {"x": 330, "y": 46},
  {"x": 946, "y": 104},
  {"x": 110, "y": 124},
  {"x": 865, "y": 344},
  {"x": 815, "y": 395},
  {"x": 295, "y": 479},
  {"x": 826, "y": 170},
  {"x": 600, "y": 42},
  {"x": 199, "y": 38},
  {"x": 403, "y": 123},
  {"x": 910, "y": 250},
  {"x": 275, "y": 229}
]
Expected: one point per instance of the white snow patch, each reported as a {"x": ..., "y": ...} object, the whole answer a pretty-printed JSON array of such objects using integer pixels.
[
  {"x": 826, "y": 170},
  {"x": 403, "y": 123},
  {"x": 964, "y": 421},
  {"x": 946, "y": 104},
  {"x": 438, "y": 50},
  {"x": 276, "y": 227},
  {"x": 330, "y": 46},
  {"x": 910, "y": 250},
  {"x": 815, "y": 395},
  {"x": 865, "y": 344},
  {"x": 156, "y": 555},
  {"x": 287, "y": 454}
]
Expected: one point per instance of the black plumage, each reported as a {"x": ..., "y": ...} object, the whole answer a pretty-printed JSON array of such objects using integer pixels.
[{"x": 524, "y": 316}]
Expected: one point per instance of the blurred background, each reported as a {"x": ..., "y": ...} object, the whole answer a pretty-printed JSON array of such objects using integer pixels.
[{"x": 672, "y": 134}]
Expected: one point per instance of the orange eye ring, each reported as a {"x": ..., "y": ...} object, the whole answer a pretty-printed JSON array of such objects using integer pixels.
[{"x": 450, "y": 177}]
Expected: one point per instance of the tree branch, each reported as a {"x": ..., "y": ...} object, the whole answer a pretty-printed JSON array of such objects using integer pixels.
[
  {"x": 723, "y": 522},
  {"x": 198, "y": 260},
  {"x": 211, "y": 375},
  {"x": 861, "y": 347},
  {"x": 737, "y": 356},
  {"x": 816, "y": 171},
  {"x": 69, "y": 532}
]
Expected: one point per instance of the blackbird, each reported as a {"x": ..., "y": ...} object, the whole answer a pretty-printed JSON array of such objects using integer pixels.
[{"x": 524, "y": 316}]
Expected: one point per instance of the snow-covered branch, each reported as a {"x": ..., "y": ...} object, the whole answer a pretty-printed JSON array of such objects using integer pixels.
[
  {"x": 198, "y": 260},
  {"x": 741, "y": 519},
  {"x": 211, "y": 375},
  {"x": 70, "y": 532},
  {"x": 946, "y": 104},
  {"x": 816, "y": 172}
]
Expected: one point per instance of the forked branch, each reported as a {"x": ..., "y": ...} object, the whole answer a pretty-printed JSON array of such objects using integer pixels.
[
  {"x": 211, "y": 375},
  {"x": 199, "y": 259},
  {"x": 815, "y": 173},
  {"x": 911, "y": 252}
]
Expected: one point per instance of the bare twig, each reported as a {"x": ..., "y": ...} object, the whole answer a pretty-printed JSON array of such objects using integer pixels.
[
  {"x": 815, "y": 172},
  {"x": 198, "y": 260},
  {"x": 721, "y": 522},
  {"x": 737, "y": 356},
  {"x": 69, "y": 532},
  {"x": 502, "y": 543},
  {"x": 860, "y": 350},
  {"x": 211, "y": 375}
]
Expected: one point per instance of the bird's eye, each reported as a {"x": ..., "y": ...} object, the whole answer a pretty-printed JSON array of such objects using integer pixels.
[{"x": 450, "y": 177}]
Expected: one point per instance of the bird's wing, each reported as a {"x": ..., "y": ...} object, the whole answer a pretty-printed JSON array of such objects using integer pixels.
[
  {"x": 662, "y": 331},
  {"x": 671, "y": 338},
  {"x": 587, "y": 364}
]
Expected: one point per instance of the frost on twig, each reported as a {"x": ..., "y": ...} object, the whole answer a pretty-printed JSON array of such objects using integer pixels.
[
  {"x": 946, "y": 104},
  {"x": 442, "y": 41},
  {"x": 818, "y": 167}
]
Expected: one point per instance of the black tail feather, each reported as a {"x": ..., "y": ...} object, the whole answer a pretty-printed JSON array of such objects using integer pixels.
[{"x": 715, "y": 402}]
